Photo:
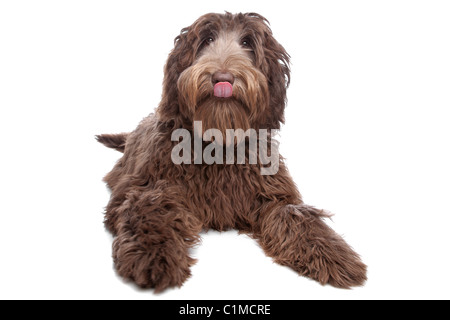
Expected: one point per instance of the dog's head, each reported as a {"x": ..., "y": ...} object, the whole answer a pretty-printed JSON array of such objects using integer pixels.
[{"x": 227, "y": 71}]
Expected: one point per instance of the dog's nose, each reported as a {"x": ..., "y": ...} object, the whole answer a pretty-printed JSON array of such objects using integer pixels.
[{"x": 221, "y": 76}]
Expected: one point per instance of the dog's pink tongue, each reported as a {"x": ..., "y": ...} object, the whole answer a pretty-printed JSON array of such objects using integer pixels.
[{"x": 223, "y": 90}]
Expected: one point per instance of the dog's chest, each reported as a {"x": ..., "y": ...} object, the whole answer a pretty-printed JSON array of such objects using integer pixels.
[{"x": 224, "y": 195}]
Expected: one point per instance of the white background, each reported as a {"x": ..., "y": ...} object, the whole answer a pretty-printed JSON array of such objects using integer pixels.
[{"x": 366, "y": 137}]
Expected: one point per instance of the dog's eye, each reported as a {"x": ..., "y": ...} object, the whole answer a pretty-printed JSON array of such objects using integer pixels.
[
  {"x": 246, "y": 43},
  {"x": 206, "y": 41}
]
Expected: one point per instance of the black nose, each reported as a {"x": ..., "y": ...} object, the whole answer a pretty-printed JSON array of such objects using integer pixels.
[{"x": 221, "y": 76}]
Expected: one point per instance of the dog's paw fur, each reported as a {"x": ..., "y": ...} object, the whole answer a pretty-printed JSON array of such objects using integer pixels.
[{"x": 159, "y": 266}]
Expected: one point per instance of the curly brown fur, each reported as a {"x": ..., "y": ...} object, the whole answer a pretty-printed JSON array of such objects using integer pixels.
[
  {"x": 157, "y": 209},
  {"x": 114, "y": 141}
]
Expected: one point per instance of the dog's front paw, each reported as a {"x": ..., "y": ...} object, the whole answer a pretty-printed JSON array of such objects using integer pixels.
[
  {"x": 296, "y": 236},
  {"x": 338, "y": 265},
  {"x": 159, "y": 266}
]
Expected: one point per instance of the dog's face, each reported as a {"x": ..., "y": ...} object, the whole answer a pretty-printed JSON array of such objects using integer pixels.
[{"x": 227, "y": 71}]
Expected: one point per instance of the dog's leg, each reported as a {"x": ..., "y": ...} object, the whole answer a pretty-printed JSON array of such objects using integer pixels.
[
  {"x": 296, "y": 236},
  {"x": 154, "y": 235}
]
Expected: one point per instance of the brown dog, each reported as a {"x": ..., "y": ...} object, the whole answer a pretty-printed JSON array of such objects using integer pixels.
[{"x": 226, "y": 72}]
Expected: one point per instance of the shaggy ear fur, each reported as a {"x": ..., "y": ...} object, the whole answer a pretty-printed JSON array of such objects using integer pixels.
[
  {"x": 279, "y": 78},
  {"x": 180, "y": 58},
  {"x": 274, "y": 63},
  {"x": 113, "y": 141}
]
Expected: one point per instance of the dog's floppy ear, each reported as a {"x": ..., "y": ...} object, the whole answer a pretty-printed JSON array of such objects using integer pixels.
[
  {"x": 279, "y": 78},
  {"x": 180, "y": 58},
  {"x": 274, "y": 63},
  {"x": 187, "y": 44}
]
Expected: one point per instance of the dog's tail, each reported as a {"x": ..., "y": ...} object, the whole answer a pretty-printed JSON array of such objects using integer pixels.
[{"x": 113, "y": 141}]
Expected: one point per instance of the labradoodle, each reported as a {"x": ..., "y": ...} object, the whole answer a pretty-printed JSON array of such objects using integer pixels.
[{"x": 226, "y": 74}]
